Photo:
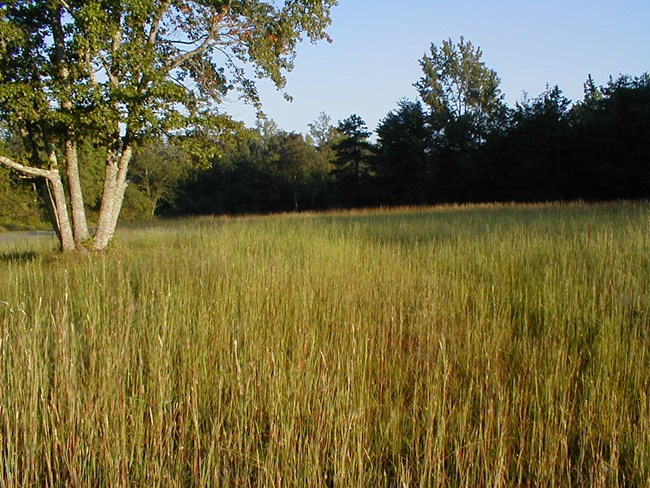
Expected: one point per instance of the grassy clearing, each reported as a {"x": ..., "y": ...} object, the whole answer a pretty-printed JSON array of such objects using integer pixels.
[{"x": 473, "y": 346}]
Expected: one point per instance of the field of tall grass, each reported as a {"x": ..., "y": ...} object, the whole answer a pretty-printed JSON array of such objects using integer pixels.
[{"x": 478, "y": 346}]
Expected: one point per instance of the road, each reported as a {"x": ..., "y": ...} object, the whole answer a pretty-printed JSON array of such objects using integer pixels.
[{"x": 12, "y": 236}]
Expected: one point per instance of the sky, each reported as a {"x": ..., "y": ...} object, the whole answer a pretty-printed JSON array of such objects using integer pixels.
[{"x": 373, "y": 60}]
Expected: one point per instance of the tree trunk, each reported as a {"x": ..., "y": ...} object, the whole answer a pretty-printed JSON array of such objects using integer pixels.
[
  {"x": 154, "y": 206},
  {"x": 125, "y": 159},
  {"x": 79, "y": 222},
  {"x": 112, "y": 196},
  {"x": 66, "y": 238},
  {"x": 104, "y": 233}
]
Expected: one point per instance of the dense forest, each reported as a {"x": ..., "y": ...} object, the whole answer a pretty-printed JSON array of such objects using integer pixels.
[
  {"x": 459, "y": 142},
  {"x": 545, "y": 148}
]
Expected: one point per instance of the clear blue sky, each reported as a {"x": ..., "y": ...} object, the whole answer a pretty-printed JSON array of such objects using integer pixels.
[{"x": 373, "y": 60}]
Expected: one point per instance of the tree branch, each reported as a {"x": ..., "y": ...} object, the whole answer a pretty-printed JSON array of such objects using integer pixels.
[
  {"x": 27, "y": 170},
  {"x": 116, "y": 44},
  {"x": 155, "y": 23},
  {"x": 176, "y": 62}
]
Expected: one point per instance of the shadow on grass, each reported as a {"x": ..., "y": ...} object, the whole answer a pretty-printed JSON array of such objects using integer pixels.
[{"x": 18, "y": 256}]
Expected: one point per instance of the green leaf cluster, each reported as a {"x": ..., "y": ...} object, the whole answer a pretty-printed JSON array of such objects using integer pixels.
[
  {"x": 142, "y": 67},
  {"x": 458, "y": 87}
]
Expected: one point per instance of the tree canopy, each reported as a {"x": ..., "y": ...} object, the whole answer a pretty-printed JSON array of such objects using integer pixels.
[
  {"x": 458, "y": 87},
  {"x": 113, "y": 72}
]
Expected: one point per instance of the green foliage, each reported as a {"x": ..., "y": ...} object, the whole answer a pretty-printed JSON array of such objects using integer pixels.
[
  {"x": 209, "y": 138},
  {"x": 157, "y": 171},
  {"x": 459, "y": 88},
  {"x": 267, "y": 170},
  {"x": 92, "y": 161},
  {"x": 540, "y": 127},
  {"x": 138, "y": 206},
  {"x": 352, "y": 163},
  {"x": 112, "y": 73},
  {"x": 546, "y": 148},
  {"x": 469, "y": 146},
  {"x": 164, "y": 64},
  {"x": 404, "y": 165},
  {"x": 595, "y": 149},
  {"x": 323, "y": 133},
  {"x": 20, "y": 208},
  {"x": 19, "y": 205},
  {"x": 300, "y": 165},
  {"x": 612, "y": 130}
]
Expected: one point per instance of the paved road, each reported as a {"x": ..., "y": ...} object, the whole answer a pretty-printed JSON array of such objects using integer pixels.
[{"x": 12, "y": 236}]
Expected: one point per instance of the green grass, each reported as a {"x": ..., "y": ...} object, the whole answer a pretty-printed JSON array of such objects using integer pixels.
[{"x": 457, "y": 346}]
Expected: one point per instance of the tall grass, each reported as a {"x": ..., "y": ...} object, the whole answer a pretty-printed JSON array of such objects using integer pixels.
[{"x": 471, "y": 346}]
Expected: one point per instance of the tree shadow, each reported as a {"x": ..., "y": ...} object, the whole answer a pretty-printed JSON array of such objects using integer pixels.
[{"x": 18, "y": 256}]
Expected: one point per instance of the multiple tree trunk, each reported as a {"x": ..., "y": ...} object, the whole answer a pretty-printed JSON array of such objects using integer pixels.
[{"x": 72, "y": 227}]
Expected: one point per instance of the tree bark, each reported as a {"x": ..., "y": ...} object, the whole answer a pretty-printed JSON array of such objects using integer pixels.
[
  {"x": 79, "y": 222},
  {"x": 113, "y": 195},
  {"x": 66, "y": 238},
  {"x": 104, "y": 233},
  {"x": 125, "y": 159}
]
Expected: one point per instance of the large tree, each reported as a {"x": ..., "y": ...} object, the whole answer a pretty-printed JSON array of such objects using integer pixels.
[
  {"x": 465, "y": 107},
  {"x": 111, "y": 72},
  {"x": 403, "y": 161},
  {"x": 296, "y": 162},
  {"x": 460, "y": 89},
  {"x": 353, "y": 151}
]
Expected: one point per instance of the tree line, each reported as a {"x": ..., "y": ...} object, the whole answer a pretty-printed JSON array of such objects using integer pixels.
[{"x": 458, "y": 142}]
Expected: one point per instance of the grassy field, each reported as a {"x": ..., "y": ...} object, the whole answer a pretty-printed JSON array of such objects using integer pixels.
[{"x": 472, "y": 346}]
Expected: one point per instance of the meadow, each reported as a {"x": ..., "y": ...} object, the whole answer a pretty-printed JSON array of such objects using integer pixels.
[{"x": 482, "y": 346}]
